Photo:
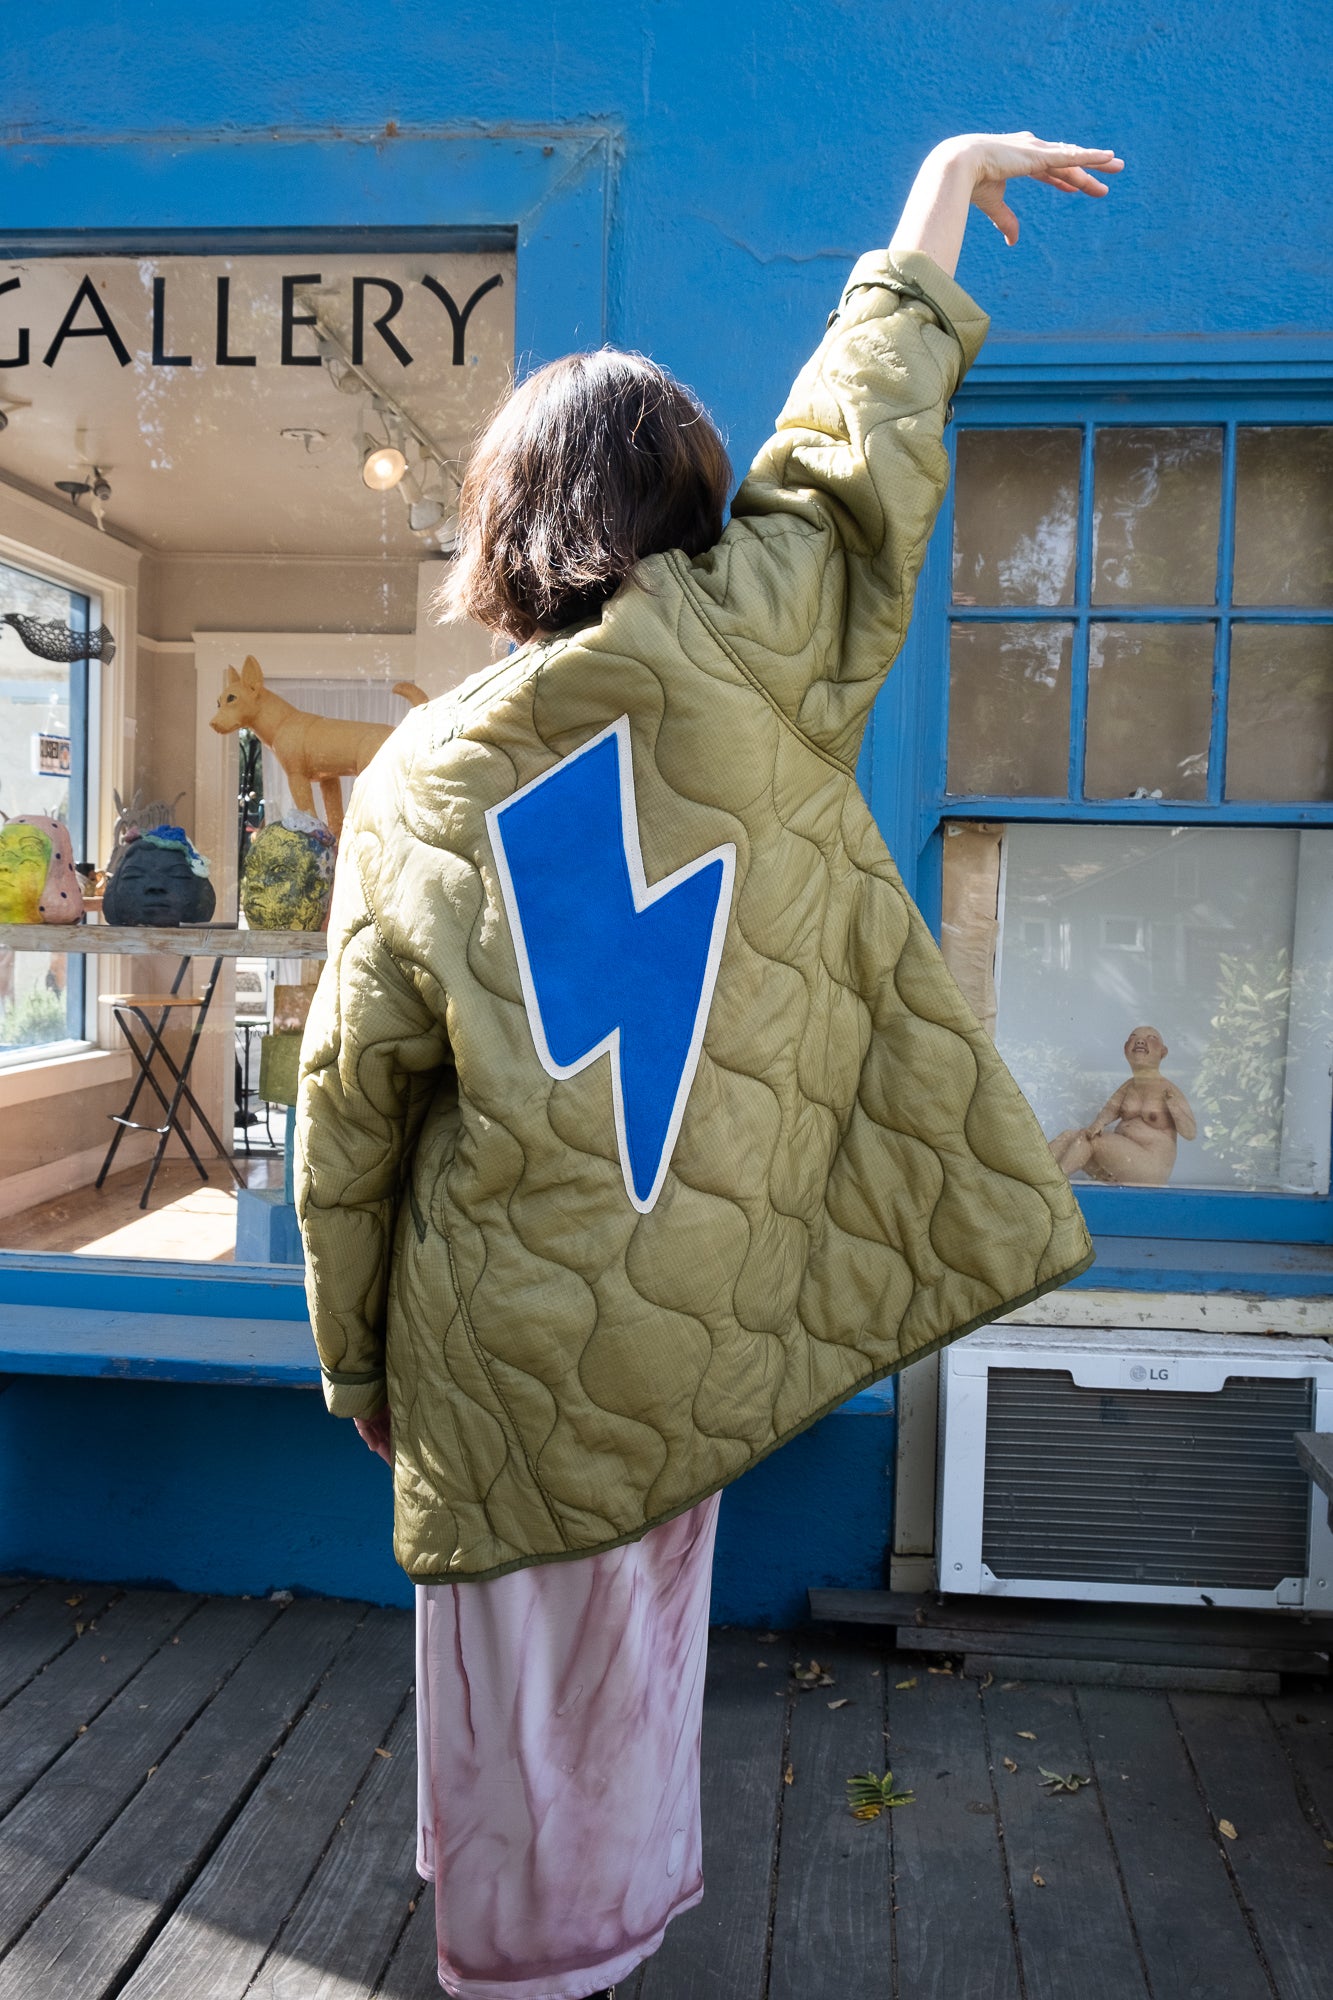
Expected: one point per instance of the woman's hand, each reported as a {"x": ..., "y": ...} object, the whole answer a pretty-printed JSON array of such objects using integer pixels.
[
  {"x": 995, "y": 159},
  {"x": 377, "y": 1433},
  {"x": 974, "y": 170}
]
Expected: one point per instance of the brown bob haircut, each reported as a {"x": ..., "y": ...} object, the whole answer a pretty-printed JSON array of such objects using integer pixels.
[{"x": 593, "y": 463}]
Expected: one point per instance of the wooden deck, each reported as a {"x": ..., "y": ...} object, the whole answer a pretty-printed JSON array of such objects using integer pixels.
[{"x": 211, "y": 1797}]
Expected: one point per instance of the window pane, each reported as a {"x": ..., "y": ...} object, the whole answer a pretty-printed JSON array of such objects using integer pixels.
[
  {"x": 1015, "y": 517},
  {"x": 1284, "y": 515},
  {"x": 1218, "y": 938},
  {"x": 1150, "y": 701},
  {"x": 1157, "y": 499},
  {"x": 1009, "y": 710},
  {"x": 41, "y": 775},
  {"x": 1280, "y": 712}
]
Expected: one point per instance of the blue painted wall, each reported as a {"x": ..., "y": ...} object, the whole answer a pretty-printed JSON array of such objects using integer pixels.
[
  {"x": 757, "y": 148},
  {"x": 762, "y": 145},
  {"x": 247, "y": 1490}
]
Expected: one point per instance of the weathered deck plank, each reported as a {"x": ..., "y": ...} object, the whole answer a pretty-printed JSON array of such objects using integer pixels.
[
  {"x": 1193, "y": 1934},
  {"x": 264, "y": 1667},
  {"x": 1277, "y": 1856},
  {"x": 218, "y": 1934},
  {"x": 1073, "y": 1926},
  {"x": 340, "y": 1935},
  {"x": 43, "y": 1625},
  {"x": 832, "y": 1930},
  {"x": 71, "y": 1806},
  {"x": 953, "y": 1924},
  {"x": 722, "y": 1946},
  {"x": 46, "y": 1714}
]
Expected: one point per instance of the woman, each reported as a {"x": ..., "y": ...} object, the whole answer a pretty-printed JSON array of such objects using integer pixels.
[{"x": 640, "y": 1122}]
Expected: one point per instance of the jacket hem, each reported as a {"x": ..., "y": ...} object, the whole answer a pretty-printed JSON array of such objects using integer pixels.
[{"x": 715, "y": 1486}]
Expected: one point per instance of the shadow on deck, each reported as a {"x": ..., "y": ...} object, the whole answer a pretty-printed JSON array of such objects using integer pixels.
[{"x": 216, "y": 1796}]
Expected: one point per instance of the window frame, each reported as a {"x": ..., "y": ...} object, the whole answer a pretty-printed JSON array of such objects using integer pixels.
[{"x": 903, "y": 766}]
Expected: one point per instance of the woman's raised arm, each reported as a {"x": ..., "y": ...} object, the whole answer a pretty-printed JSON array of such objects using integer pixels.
[
  {"x": 811, "y": 586},
  {"x": 971, "y": 172}
]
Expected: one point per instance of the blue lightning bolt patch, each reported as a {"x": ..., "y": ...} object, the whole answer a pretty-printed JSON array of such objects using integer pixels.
[{"x": 608, "y": 965}]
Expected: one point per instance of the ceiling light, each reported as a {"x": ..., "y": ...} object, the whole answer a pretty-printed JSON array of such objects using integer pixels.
[
  {"x": 383, "y": 466},
  {"x": 424, "y": 515}
]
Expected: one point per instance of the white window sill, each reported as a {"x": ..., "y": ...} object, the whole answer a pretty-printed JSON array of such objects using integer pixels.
[{"x": 53, "y": 1076}]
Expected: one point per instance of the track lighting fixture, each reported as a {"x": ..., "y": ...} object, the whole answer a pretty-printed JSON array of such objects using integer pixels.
[{"x": 383, "y": 466}]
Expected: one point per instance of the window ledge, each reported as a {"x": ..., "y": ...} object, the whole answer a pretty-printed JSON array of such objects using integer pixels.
[
  {"x": 1167, "y": 1264},
  {"x": 53, "y": 1076}
]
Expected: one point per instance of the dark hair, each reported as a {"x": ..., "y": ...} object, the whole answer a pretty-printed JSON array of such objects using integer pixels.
[{"x": 593, "y": 463}]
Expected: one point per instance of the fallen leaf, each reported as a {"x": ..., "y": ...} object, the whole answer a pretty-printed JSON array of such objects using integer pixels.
[
  {"x": 986, "y": 1683},
  {"x": 1070, "y": 1781},
  {"x": 769, "y": 1638},
  {"x": 384, "y": 1753},
  {"x": 175, "y": 1638},
  {"x": 869, "y": 1796},
  {"x": 1006, "y": 1686},
  {"x": 82, "y": 1729},
  {"x": 1038, "y": 1878},
  {"x": 1028, "y": 1735},
  {"x": 842, "y": 1703},
  {"x": 945, "y": 1669},
  {"x": 73, "y": 1600},
  {"x": 789, "y": 1776},
  {"x": 1009, "y": 1764},
  {"x": 906, "y": 1684},
  {"x": 79, "y": 1628},
  {"x": 813, "y": 1676},
  {"x": 1225, "y": 1826},
  {"x": 761, "y": 1663},
  {"x": 1329, "y": 1845},
  {"x": 151, "y": 1769},
  {"x": 102, "y": 1658}
]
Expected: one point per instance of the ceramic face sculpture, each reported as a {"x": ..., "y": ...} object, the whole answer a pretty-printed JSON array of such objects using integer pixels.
[
  {"x": 162, "y": 880},
  {"x": 1132, "y": 1140},
  {"x": 289, "y": 875},
  {"x": 38, "y": 884}
]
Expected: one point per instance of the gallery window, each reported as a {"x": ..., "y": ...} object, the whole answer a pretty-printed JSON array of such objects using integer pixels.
[
  {"x": 48, "y": 710},
  {"x": 1131, "y": 793},
  {"x": 256, "y": 443}
]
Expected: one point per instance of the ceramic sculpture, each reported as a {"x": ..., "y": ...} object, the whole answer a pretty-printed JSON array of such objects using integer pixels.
[
  {"x": 161, "y": 880},
  {"x": 288, "y": 876},
  {"x": 1132, "y": 1140},
  {"x": 312, "y": 749},
  {"x": 38, "y": 884}
]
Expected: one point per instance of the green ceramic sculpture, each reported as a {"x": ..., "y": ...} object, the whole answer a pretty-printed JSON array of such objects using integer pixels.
[
  {"x": 25, "y": 856},
  {"x": 288, "y": 876}
]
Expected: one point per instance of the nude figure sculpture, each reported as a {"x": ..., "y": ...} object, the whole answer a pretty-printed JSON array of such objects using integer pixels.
[{"x": 1145, "y": 1117}]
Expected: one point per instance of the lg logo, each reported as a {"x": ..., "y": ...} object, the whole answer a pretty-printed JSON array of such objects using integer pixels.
[{"x": 1138, "y": 1373}]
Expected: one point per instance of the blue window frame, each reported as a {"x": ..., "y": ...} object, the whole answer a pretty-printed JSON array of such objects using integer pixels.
[{"x": 906, "y": 762}]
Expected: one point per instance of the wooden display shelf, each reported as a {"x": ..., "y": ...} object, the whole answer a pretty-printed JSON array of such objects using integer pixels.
[{"x": 184, "y": 941}]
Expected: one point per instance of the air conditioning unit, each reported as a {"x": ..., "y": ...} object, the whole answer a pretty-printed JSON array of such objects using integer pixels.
[{"x": 1146, "y": 1468}]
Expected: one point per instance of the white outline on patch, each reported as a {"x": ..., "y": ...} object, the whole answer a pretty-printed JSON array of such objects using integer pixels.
[{"x": 644, "y": 898}]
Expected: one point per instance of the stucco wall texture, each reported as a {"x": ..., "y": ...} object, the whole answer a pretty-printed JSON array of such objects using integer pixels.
[{"x": 763, "y": 143}]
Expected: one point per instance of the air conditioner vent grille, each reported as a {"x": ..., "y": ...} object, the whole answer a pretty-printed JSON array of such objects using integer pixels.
[{"x": 1128, "y": 1486}]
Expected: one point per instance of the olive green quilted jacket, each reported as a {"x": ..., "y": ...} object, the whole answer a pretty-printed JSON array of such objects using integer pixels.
[{"x": 640, "y": 1121}]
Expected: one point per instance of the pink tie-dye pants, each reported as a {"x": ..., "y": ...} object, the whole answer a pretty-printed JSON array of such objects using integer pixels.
[{"x": 558, "y": 1714}]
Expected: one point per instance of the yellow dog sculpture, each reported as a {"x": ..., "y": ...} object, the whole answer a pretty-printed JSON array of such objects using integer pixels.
[{"x": 312, "y": 749}]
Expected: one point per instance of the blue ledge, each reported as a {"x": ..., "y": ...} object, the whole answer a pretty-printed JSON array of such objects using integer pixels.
[
  {"x": 1163, "y": 1264},
  {"x": 157, "y": 1347}
]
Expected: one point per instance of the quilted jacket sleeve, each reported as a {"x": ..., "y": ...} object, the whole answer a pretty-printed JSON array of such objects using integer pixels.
[
  {"x": 811, "y": 585},
  {"x": 370, "y": 1061}
]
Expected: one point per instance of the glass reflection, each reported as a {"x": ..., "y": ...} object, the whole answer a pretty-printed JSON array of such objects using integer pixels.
[
  {"x": 1150, "y": 700},
  {"x": 1284, "y": 515},
  {"x": 1009, "y": 709},
  {"x": 1156, "y": 507},
  {"x": 1280, "y": 713},
  {"x": 1218, "y": 940},
  {"x": 1015, "y": 516}
]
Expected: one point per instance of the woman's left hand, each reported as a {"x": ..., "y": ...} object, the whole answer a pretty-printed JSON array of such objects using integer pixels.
[{"x": 378, "y": 1434}]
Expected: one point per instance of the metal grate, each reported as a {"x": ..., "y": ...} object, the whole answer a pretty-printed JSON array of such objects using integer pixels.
[{"x": 1158, "y": 1486}]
